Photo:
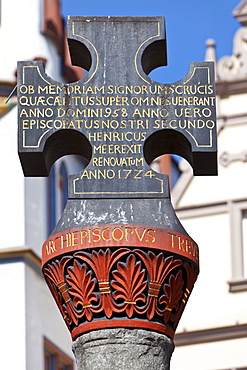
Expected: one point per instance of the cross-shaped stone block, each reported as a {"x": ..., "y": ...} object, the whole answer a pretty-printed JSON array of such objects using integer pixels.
[{"x": 116, "y": 116}]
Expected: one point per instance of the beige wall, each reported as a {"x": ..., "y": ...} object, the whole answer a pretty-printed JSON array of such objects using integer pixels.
[{"x": 215, "y": 319}]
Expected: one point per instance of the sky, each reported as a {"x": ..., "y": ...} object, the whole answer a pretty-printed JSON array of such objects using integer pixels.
[{"x": 189, "y": 23}]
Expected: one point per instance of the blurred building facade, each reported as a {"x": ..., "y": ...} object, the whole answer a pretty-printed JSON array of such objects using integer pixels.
[
  {"x": 33, "y": 335},
  {"x": 212, "y": 334}
]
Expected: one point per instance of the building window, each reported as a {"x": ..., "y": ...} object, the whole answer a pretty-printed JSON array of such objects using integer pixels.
[
  {"x": 244, "y": 241},
  {"x": 55, "y": 359},
  {"x": 175, "y": 171},
  {"x": 238, "y": 227},
  {"x": 63, "y": 186},
  {"x": 57, "y": 193},
  {"x": 52, "y": 200},
  {"x": 168, "y": 164},
  {"x": 58, "y": 186},
  {"x": 237, "y": 368}
]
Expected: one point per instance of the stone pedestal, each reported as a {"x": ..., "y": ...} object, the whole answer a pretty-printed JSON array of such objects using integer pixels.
[{"x": 123, "y": 349}]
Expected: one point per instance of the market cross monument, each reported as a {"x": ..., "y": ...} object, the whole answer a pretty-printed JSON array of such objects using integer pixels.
[{"x": 119, "y": 263}]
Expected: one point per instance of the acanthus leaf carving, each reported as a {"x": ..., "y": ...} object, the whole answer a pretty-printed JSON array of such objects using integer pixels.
[
  {"x": 173, "y": 293},
  {"x": 81, "y": 288},
  {"x": 101, "y": 263},
  {"x": 54, "y": 274},
  {"x": 147, "y": 286},
  {"x": 158, "y": 269},
  {"x": 129, "y": 284}
]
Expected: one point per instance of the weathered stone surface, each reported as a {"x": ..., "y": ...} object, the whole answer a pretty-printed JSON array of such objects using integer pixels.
[
  {"x": 151, "y": 212},
  {"x": 123, "y": 349}
]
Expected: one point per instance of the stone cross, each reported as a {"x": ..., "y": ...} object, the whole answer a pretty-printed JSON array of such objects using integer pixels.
[
  {"x": 116, "y": 117},
  {"x": 118, "y": 259}
]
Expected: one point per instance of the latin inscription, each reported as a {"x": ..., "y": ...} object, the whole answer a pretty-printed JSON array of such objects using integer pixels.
[
  {"x": 117, "y": 119},
  {"x": 120, "y": 111},
  {"x": 107, "y": 235},
  {"x": 48, "y": 113}
]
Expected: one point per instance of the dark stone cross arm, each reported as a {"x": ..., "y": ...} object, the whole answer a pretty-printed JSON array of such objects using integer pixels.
[
  {"x": 114, "y": 46},
  {"x": 116, "y": 116}
]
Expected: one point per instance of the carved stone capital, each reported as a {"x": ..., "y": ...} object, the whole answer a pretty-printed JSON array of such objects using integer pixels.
[{"x": 121, "y": 275}]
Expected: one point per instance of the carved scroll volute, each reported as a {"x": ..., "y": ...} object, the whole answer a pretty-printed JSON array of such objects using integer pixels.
[{"x": 234, "y": 67}]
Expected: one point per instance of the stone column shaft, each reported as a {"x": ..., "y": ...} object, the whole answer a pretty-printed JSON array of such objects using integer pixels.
[{"x": 123, "y": 349}]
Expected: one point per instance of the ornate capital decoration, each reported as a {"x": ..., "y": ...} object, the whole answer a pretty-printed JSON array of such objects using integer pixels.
[{"x": 110, "y": 276}]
